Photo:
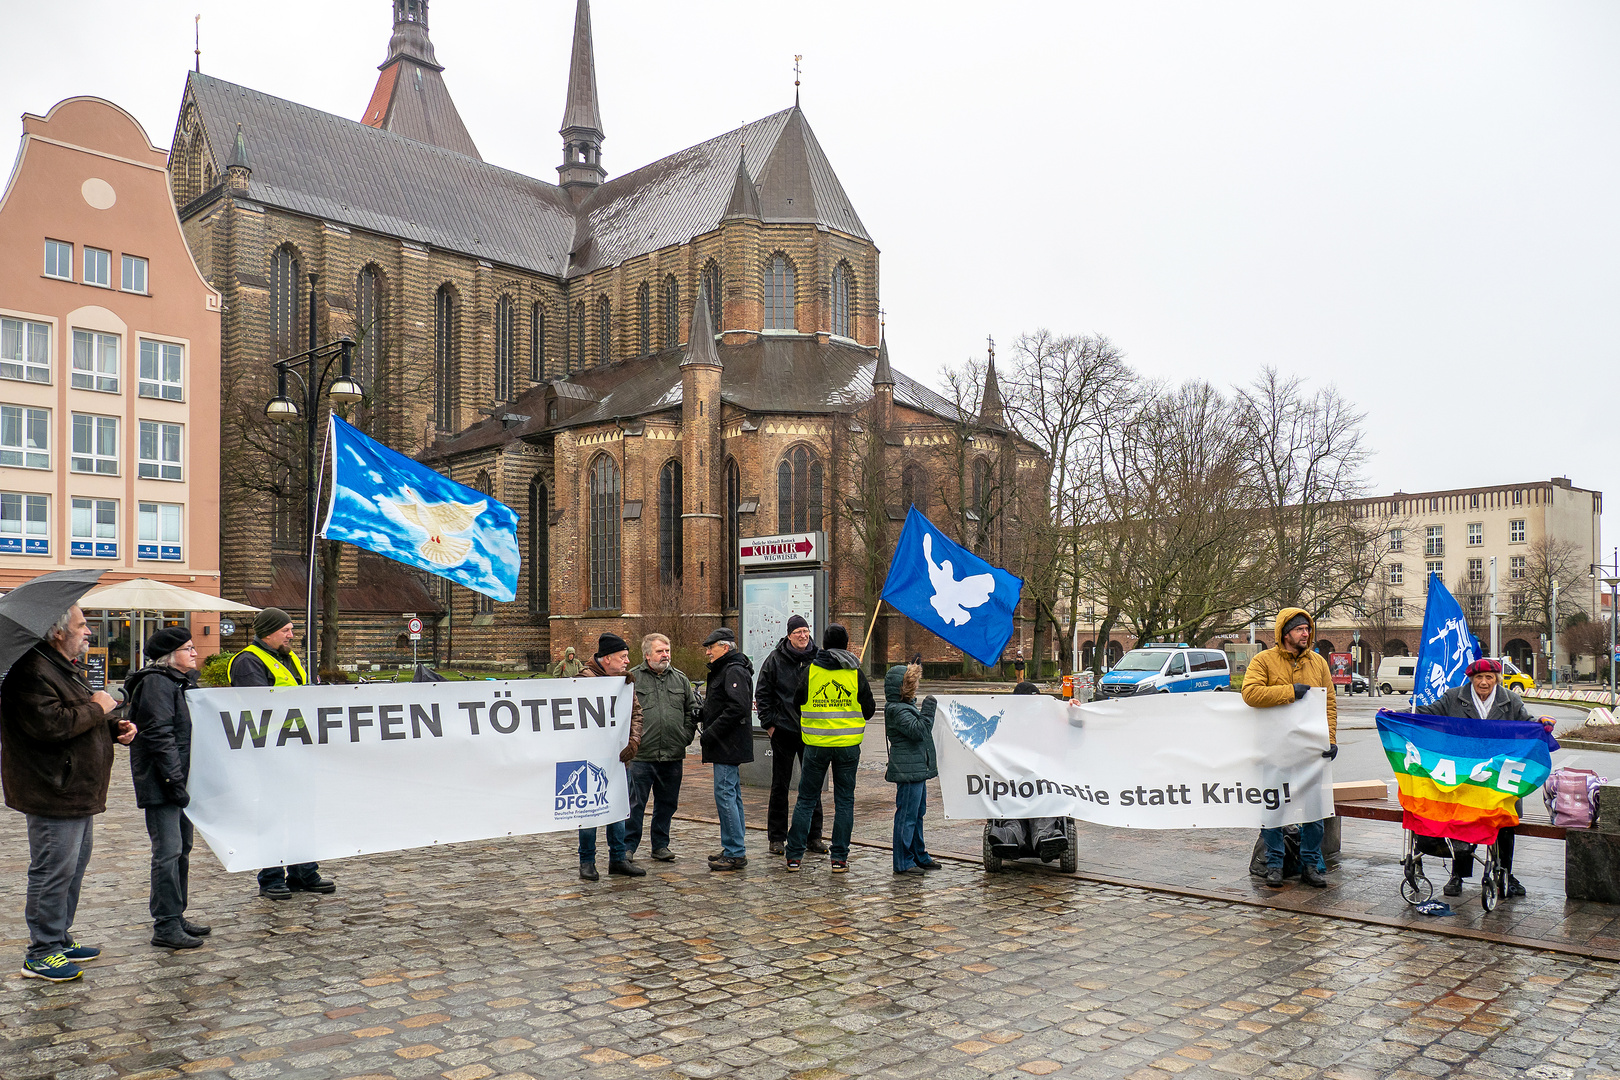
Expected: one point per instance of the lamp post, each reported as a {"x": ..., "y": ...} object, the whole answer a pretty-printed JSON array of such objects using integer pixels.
[
  {"x": 282, "y": 409},
  {"x": 1611, "y": 579}
]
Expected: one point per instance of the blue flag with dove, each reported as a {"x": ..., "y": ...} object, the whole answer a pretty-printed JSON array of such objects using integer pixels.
[
  {"x": 387, "y": 503},
  {"x": 1447, "y": 647},
  {"x": 947, "y": 589}
]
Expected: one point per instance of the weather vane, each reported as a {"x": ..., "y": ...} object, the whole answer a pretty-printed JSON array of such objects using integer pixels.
[
  {"x": 796, "y": 58},
  {"x": 196, "y": 39}
]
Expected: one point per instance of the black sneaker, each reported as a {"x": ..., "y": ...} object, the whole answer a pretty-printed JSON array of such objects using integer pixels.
[
  {"x": 626, "y": 869},
  {"x": 929, "y": 864},
  {"x": 778, "y": 847},
  {"x": 840, "y": 866},
  {"x": 276, "y": 890},
  {"x": 53, "y": 968},
  {"x": 727, "y": 862},
  {"x": 587, "y": 870},
  {"x": 1453, "y": 886},
  {"x": 793, "y": 866},
  {"x": 1053, "y": 847},
  {"x": 816, "y": 847},
  {"x": 195, "y": 929},
  {"x": 912, "y": 871},
  {"x": 1311, "y": 876},
  {"x": 1274, "y": 878},
  {"x": 663, "y": 854},
  {"x": 318, "y": 885},
  {"x": 175, "y": 938},
  {"x": 1513, "y": 888}
]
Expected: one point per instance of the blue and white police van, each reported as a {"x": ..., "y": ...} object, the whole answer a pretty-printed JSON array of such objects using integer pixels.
[{"x": 1166, "y": 669}]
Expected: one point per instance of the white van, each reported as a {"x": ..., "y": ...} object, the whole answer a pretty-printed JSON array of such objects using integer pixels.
[{"x": 1396, "y": 674}]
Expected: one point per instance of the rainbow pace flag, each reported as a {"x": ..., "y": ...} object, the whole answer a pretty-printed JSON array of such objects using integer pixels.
[{"x": 1459, "y": 778}]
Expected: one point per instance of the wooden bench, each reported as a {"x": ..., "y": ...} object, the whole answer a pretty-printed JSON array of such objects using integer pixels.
[{"x": 1388, "y": 810}]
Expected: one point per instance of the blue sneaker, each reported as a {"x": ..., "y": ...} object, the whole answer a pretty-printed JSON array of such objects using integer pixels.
[
  {"x": 53, "y": 968},
  {"x": 80, "y": 954}
]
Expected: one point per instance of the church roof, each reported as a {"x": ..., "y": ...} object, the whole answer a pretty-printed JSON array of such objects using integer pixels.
[{"x": 410, "y": 98}]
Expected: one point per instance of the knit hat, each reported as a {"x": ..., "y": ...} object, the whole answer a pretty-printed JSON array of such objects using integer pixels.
[
  {"x": 796, "y": 622},
  {"x": 165, "y": 641},
  {"x": 721, "y": 634},
  {"x": 610, "y": 643},
  {"x": 269, "y": 621},
  {"x": 1484, "y": 666},
  {"x": 836, "y": 637},
  {"x": 1297, "y": 620}
]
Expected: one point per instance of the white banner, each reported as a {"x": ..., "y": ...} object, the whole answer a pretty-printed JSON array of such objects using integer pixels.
[
  {"x": 303, "y": 773},
  {"x": 1169, "y": 761}
]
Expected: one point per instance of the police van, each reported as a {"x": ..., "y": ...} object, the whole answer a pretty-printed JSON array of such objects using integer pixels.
[{"x": 1166, "y": 669}]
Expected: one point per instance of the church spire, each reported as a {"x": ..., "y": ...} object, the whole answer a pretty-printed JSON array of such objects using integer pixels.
[
  {"x": 410, "y": 98},
  {"x": 882, "y": 375},
  {"x": 991, "y": 410},
  {"x": 744, "y": 198},
  {"x": 582, "y": 121},
  {"x": 700, "y": 341}
]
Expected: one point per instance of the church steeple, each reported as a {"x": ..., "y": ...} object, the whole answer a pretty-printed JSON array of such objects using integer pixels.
[
  {"x": 744, "y": 199},
  {"x": 411, "y": 98},
  {"x": 582, "y": 121},
  {"x": 991, "y": 411}
]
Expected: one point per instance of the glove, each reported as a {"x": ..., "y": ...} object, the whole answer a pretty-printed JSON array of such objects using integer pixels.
[
  {"x": 1300, "y": 690},
  {"x": 1332, "y": 752},
  {"x": 931, "y": 698},
  {"x": 178, "y": 795},
  {"x": 628, "y": 754}
]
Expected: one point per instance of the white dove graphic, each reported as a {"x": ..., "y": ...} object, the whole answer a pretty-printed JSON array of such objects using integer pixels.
[
  {"x": 439, "y": 520},
  {"x": 952, "y": 598}
]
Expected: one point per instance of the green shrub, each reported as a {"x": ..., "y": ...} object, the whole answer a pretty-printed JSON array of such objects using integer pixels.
[{"x": 216, "y": 670}]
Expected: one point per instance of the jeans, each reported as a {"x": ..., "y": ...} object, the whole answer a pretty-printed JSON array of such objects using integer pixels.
[
  {"x": 171, "y": 835},
  {"x": 275, "y": 875},
  {"x": 728, "y": 804},
  {"x": 1310, "y": 846},
  {"x": 910, "y": 804},
  {"x": 660, "y": 781},
  {"x": 58, "y": 852},
  {"x": 615, "y": 842},
  {"x": 843, "y": 761},
  {"x": 786, "y": 747}
]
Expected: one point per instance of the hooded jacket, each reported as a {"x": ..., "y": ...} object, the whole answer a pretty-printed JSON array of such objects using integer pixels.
[
  {"x": 728, "y": 710},
  {"x": 668, "y": 712},
  {"x": 834, "y": 660},
  {"x": 593, "y": 670},
  {"x": 910, "y": 728},
  {"x": 56, "y": 745},
  {"x": 160, "y": 756},
  {"x": 779, "y": 678},
  {"x": 1272, "y": 674}
]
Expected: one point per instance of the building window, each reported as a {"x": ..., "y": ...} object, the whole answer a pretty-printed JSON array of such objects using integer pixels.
[
  {"x": 95, "y": 444},
  {"x": 95, "y": 361},
  {"x": 1473, "y": 501},
  {"x": 733, "y": 530},
  {"x": 1434, "y": 540},
  {"x": 604, "y": 533},
  {"x": 1476, "y": 571},
  {"x": 485, "y": 486},
  {"x": 1516, "y": 531},
  {"x": 157, "y": 533},
  {"x": 25, "y": 524},
  {"x": 576, "y": 356},
  {"x": 798, "y": 491},
  {"x": 1476, "y": 607},
  {"x": 505, "y": 327},
  {"x": 1397, "y": 574},
  {"x": 779, "y": 290},
  {"x": 842, "y": 293},
  {"x": 1518, "y": 497},
  {"x": 672, "y": 312},
  {"x": 1433, "y": 566},
  {"x": 59, "y": 260},
  {"x": 25, "y": 350},
  {"x": 711, "y": 285},
  {"x": 25, "y": 437},
  {"x": 1396, "y": 538},
  {"x": 1476, "y": 534},
  {"x": 644, "y": 317},
  {"x": 94, "y": 529},
  {"x": 160, "y": 370},
  {"x": 1397, "y": 608},
  {"x": 537, "y": 342},
  {"x": 980, "y": 509},
  {"x": 98, "y": 267},
  {"x": 368, "y": 322},
  {"x": 670, "y": 525},
  {"x": 1434, "y": 505},
  {"x": 1516, "y": 568},
  {"x": 444, "y": 358},
  {"x": 1520, "y": 605},
  {"x": 604, "y": 331},
  {"x": 284, "y": 306},
  {"x": 133, "y": 278},
  {"x": 539, "y": 547},
  {"x": 913, "y": 489},
  {"x": 160, "y": 451}
]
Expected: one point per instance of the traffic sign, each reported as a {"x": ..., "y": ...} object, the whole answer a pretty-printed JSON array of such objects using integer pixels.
[{"x": 416, "y": 629}]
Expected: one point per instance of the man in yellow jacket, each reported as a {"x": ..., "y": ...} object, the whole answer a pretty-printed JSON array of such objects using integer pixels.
[{"x": 1280, "y": 676}]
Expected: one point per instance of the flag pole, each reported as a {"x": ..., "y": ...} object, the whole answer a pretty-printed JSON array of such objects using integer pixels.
[{"x": 870, "y": 627}]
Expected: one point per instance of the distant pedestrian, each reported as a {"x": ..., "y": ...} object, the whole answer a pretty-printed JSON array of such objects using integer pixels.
[
  {"x": 835, "y": 703},
  {"x": 160, "y": 765},
  {"x": 912, "y": 763},
  {"x": 668, "y": 722},
  {"x": 612, "y": 660},
  {"x": 1018, "y": 665},
  {"x": 728, "y": 740},
  {"x": 779, "y": 679},
  {"x": 569, "y": 666}
]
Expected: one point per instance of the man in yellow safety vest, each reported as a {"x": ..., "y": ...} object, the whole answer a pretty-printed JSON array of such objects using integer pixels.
[
  {"x": 269, "y": 661},
  {"x": 835, "y": 702}
]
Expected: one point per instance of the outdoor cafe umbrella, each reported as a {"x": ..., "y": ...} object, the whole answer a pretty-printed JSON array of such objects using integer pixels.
[
  {"x": 29, "y": 610},
  {"x": 144, "y": 594}
]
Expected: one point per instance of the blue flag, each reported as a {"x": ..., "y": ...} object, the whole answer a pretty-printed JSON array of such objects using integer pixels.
[
  {"x": 387, "y": 503},
  {"x": 951, "y": 591},
  {"x": 1448, "y": 646}
]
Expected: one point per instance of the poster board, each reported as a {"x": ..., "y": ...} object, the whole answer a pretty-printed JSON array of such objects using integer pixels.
[
  {"x": 95, "y": 668},
  {"x": 769, "y": 600},
  {"x": 1340, "y": 663}
]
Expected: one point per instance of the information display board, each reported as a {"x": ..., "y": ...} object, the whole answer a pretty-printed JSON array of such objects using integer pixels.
[{"x": 769, "y": 600}]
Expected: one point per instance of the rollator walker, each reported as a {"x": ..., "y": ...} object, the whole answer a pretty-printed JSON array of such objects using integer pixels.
[{"x": 1416, "y": 888}]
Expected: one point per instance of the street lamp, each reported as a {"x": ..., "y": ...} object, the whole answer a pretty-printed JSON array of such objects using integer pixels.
[
  {"x": 1612, "y": 581},
  {"x": 284, "y": 409}
]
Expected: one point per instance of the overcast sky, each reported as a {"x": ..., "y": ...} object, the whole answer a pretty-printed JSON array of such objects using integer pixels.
[{"x": 1416, "y": 202}]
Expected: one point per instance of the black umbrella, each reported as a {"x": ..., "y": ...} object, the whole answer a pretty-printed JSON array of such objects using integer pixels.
[{"x": 33, "y": 607}]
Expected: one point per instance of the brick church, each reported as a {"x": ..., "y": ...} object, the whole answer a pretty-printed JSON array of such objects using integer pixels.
[{"x": 646, "y": 367}]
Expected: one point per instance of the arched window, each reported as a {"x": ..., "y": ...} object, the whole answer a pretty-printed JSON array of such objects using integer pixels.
[
  {"x": 368, "y": 324},
  {"x": 728, "y": 591},
  {"x": 672, "y": 312},
  {"x": 537, "y": 342},
  {"x": 539, "y": 546},
  {"x": 484, "y": 486},
  {"x": 576, "y": 358},
  {"x": 798, "y": 491},
  {"x": 444, "y": 358},
  {"x": 913, "y": 489},
  {"x": 711, "y": 285},
  {"x": 505, "y": 331},
  {"x": 644, "y": 316},
  {"x": 670, "y": 527},
  {"x": 604, "y": 533},
  {"x": 981, "y": 504},
  {"x": 778, "y": 293},
  {"x": 604, "y": 331},
  {"x": 843, "y": 295},
  {"x": 286, "y": 289}
]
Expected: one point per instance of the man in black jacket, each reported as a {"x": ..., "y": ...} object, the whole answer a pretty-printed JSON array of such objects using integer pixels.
[
  {"x": 56, "y": 756},
  {"x": 779, "y": 679},
  {"x": 728, "y": 740}
]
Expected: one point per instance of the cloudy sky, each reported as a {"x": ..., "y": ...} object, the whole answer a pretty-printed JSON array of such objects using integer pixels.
[{"x": 1416, "y": 202}]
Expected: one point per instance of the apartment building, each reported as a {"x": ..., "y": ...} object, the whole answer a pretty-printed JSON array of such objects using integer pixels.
[{"x": 109, "y": 370}]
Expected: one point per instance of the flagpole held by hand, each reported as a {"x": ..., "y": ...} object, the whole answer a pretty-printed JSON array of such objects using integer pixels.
[{"x": 870, "y": 627}]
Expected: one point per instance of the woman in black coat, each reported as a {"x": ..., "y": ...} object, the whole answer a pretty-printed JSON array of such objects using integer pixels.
[{"x": 160, "y": 761}]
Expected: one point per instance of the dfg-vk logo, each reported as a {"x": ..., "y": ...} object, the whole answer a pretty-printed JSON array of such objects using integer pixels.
[{"x": 582, "y": 789}]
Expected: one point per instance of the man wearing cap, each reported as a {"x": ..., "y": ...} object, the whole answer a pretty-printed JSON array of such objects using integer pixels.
[
  {"x": 1279, "y": 676},
  {"x": 728, "y": 740},
  {"x": 269, "y": 661},
  {"x": 612, "y": 661},
  {"x": 779, "y": 679},
  {"x": 569, "y": 666},
  {"x": 835, "y": 705}
]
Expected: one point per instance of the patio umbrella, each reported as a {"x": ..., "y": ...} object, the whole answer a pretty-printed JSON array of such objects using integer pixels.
[
  {"x": 140, "y": 595},
  {"x": 30, "y": 609}
]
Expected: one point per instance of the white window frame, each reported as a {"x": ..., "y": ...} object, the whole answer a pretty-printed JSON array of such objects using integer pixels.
[
  {"x": 130, "y": 263},
  {"x": 159, "y": 386},
  {"x": 23, "y": 334},
  {"x": 97, "y": 375},
  {"x": 1516, "y": 530},
  {"x": 1476, "y": 571},
  {"x": 1434, "y": 540},
  {"x": 25, "y": 540},
  {"x": 160, "y": 526},
  {"x": 92, "y": 528},
  {"x": 102, "y": 261},
  {"x": 1397, "y": 537},
  {"x": 58, "y": 248},
  {"x": 26, "y": 418},
  {"x": 96, "y": 460},
  {"x": 1476, "y": 534},
  {"x": 159, "y": 466},
  {"x": 1397, "y": 574},
  {"x": 1516, "y": 568},
  {"x": 1397, "y": 608}
]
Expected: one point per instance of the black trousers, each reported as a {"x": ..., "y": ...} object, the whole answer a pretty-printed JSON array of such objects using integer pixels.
[
  {"x": 304, "y": 871},
  {"x": 171, "y": 835},
  {"x": 786, "y": 747},
  {"x": 659, "y": 782}
]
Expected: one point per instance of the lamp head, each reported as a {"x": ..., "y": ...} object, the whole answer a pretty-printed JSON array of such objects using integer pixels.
[
  {"x": 281, "y": 409},
  {"x": 346, "y": 391}
]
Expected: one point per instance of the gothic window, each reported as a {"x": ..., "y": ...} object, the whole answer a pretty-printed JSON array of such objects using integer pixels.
[
  {"x": 779, "y": 293},
  {"x": 798, "y": 491},
  {"x": 604, "y": 533},
  {"x": 711, "y": 285},
  {"x": 670, "y": 526},
  {"x": 368, "y": 297},
  {"x": 644, "y": 316},
  {"x": 539, "y": 546},
  {"x": 537, "y": 342},
  {"x": 484, "y": 486},
  {"x": 981, "y": 504},
  {"x": 285, "y": 502},
  {"x": 913, "y": 489},
  {"x": 444, "y": 357},
  {"x": 672, "y": 312},
  {"x": 843, "y": 291},
  {"x": 285, "y": 283},
  {"x": 733, "y": 532},
  {"x": 604, "y": 331},
  {"x": 576, "y": 359},
  {"x": 505, "y": 328}
]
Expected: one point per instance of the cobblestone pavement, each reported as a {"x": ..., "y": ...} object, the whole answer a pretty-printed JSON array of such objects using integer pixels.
[{"x": 491, "y": 959}]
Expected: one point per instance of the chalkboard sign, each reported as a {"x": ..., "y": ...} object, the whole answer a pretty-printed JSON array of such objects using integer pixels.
[{"x": 95, "y": 668}]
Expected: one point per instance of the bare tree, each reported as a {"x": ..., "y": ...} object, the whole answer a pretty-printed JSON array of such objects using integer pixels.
[
  {"x": 1588, "y": 637},
  {"x": 1549, "y": 563},
  {"x": 865, "y": 480}
]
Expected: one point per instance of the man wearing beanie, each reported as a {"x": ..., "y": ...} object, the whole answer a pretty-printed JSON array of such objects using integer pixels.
[
  {"x": 269, "y": 661},
  {"x": 835, "y": 704},
  {"x": 1279, "y": 676},
  {"x": 612, "y": 661},
  {"x": 728, "y": 740},
  {"x": 779, "y": 679}
]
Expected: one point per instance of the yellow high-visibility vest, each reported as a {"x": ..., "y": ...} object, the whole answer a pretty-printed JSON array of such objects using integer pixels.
[
  {"x": 279, "y": 670},
  {"x": 831, "y": 715}
]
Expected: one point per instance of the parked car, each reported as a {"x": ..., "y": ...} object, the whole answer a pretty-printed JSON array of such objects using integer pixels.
[
  {"x": 1166, "y": 669},
  {"x": 1359, "y": 683},
  {"x": 1395, "y": 674}
]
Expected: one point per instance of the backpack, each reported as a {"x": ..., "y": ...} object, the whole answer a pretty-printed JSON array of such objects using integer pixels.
[{"x": 1571, "y": 796}]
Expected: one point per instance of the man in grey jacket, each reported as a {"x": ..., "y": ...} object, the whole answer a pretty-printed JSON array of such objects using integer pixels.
[{"x": 669, "y": 709}]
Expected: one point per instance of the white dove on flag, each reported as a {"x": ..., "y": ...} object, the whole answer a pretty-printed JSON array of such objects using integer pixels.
[
  {"x": 439, "y": 520},
  {"x": 951, "y": 597}
]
